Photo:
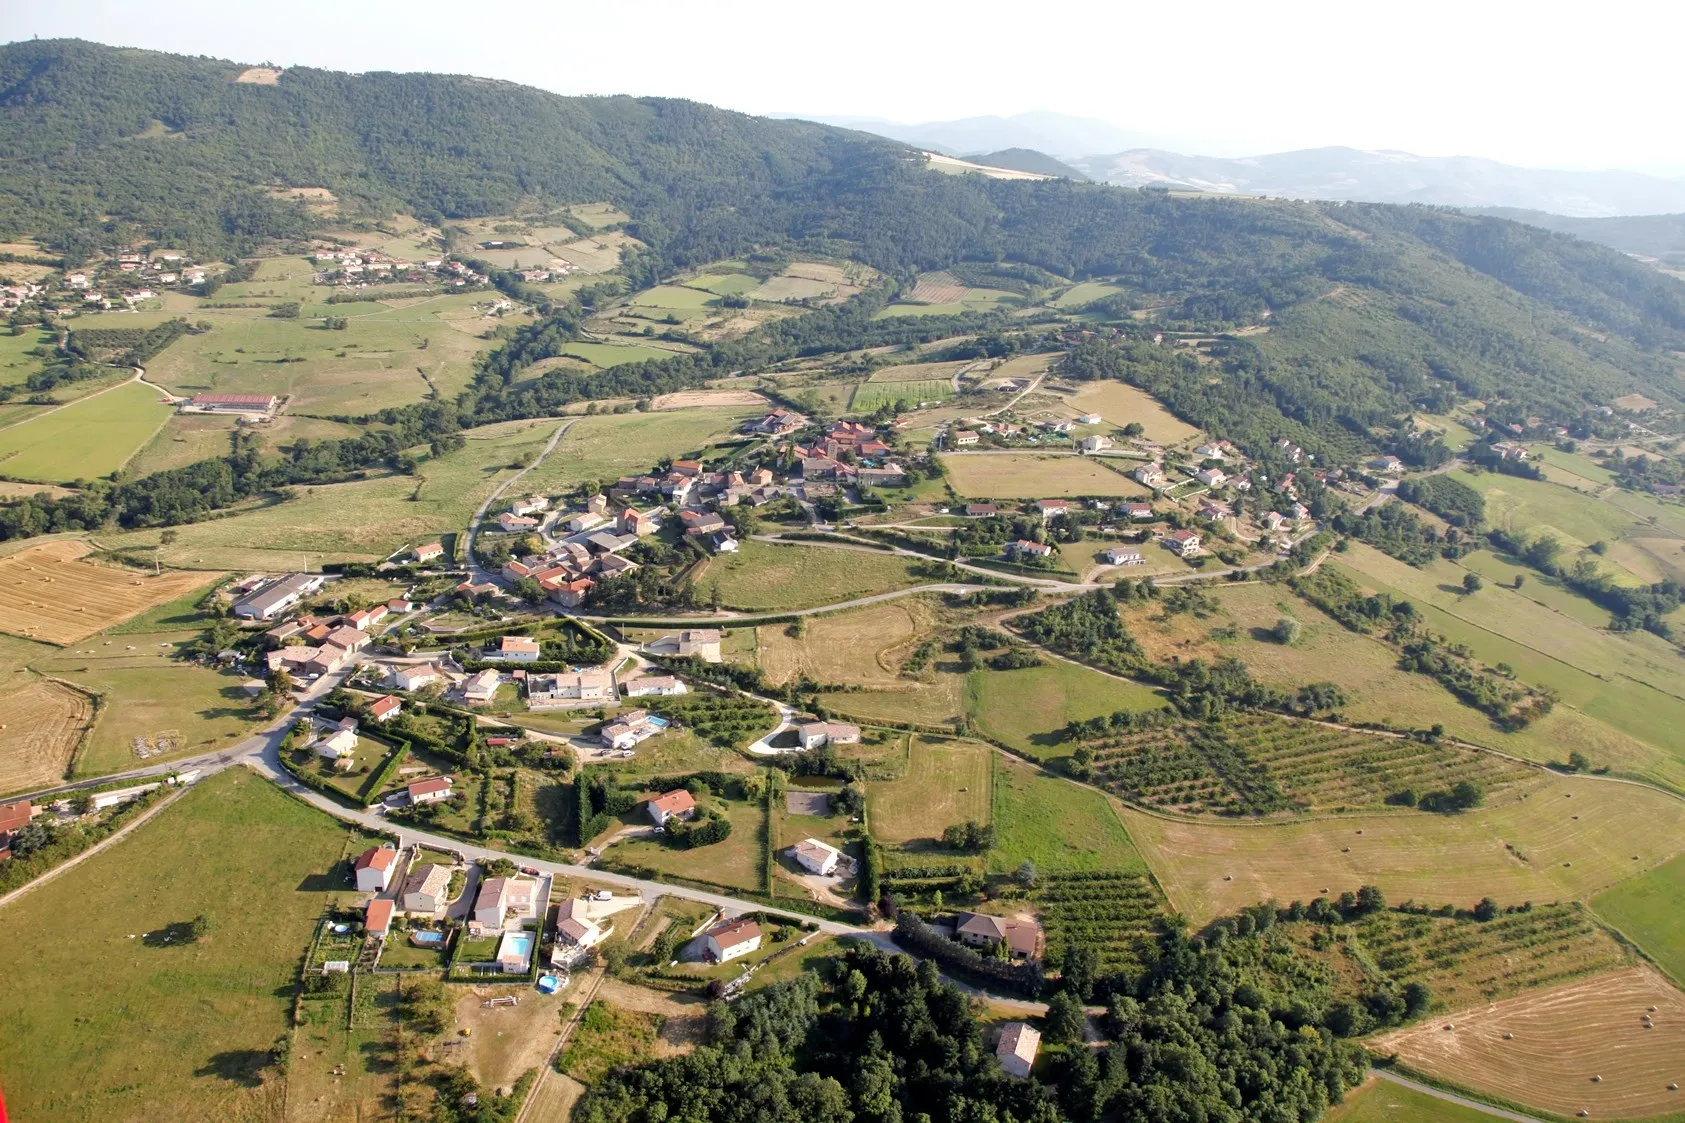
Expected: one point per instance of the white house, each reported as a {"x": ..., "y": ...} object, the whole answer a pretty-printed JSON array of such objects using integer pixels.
[
  {"x": 817, "y": 857},
  {"x": 374, "y": 868},
  {"x": 676, "y": 804},
  {"x": 1089, "y": 419},
  {"x": 733, "y": 938},
  {"x": 481, "y": 687},
  {"x": 1150, "y": 474},
  {"x": 1024, "y": 548},
  {"x": 512, "y": 523},
  {"x": 813, "y": 734},
  {"x": 1139, "y": 512},
  {"x": 662, "y": 685},
  {"x": 1124, "y": 557},
  {"x": 513, "y": 649},
  {"x": 337, "y": 745},
  {"x": 1182, "y": 542},
  {"x": 504, "y": 902},
  {"x": 1210, "y": 477},
  {"x": 529, "y": 506},
  {"x": 630, "y": 728},
  {"x": 431, "y": 790},
  {"x": 574, "y": 926},
  {"x": 383, "y": 709},
  {"x": 426, "y": 890},
  {"x": 1019, "y": 1044},
  {"x": 414, "y": 678},
  {"x": 1094, "y": 444}
]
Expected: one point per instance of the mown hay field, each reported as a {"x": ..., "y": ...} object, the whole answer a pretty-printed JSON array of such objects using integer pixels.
[
  {"x": 764, "y": 577},
  {"x": 47, "y": 593},
  {"x": 861, "y": 647},
  {"x": 1031, "y": 476},
  {"x": 1119, "y": 404},
  {"x": 1553, "y": 839},
  {"x": 41, "y": 723},
  {"x": 947, "y": 782},
  {"x": 1583, "y": 1047}
]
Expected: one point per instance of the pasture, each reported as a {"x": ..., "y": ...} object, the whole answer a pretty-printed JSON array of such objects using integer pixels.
[
  {"x": 1647, "y": 910},
  {"x": 605, "y": 446},
  {"x": 48, "y": 593},
  {"x": 733, "y": 864},
  {"x": 1026, "y": 708},
  {"x": 1083, "y": 293},
  {"x": 595, "y": 254},
  {"x": 198, "y": 1022},
  {"x": 1032, "y": 475},
  {"x": 93, "y": 436},
  {"x": 614, "y": 354},
  {"x": 938, "y": 698},
  {"x": 1383, "y": 1101},
  {"x": 41, "y": 723},
  {"x": 1557, "y": 1041},
  {"x": 918, "y": 372},
  {"x": 1119, "y": 404},
  {"x": 869, "y": 396},
  {"x": 946, "y": 782},
  {"x": 761, "y": 577},
  {"x": 1055, "y": 823},
  {"x": 1550, "y": 839},
  {"x": 861, "y": 647}
]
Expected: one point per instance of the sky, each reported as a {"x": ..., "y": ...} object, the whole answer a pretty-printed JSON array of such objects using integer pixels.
[{"x": 1540, "y": 84}]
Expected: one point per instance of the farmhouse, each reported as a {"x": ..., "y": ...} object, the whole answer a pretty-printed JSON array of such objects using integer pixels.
[
  {"x": 13, "y": 818},
  {"x": 676, "y": 804},
  {"x": 702, "y": 643},
  {"x": 981, "y": 510},
  {"x": 503, "y": 902},
  {"x": 276, "y": 597},
  {"x": 431, "y": 790},
  {"x": 482, "y": 686},
  {"x": 1140, "y": 512},
  {"x": 426, "y": 890},
  {"x": 1016, "y": 1052},
  {"x": 1094, "y": 444},
  {"x": 732, "y": 939},
  {"x": 813, "y": 734},
  {"x": 1021, "y": 938},
  {"x": 963, "y": 437},
  {"x": 571, "y": 594},
  {"x": 427, "y": 552},
  {"x": 254, "y": 404},
  {"x": 512, "y": 649},
  {"x": 1509, "y": 450},
  {"x": 662, "y": 685},
  {"x": 594, "y": 684},
  {"x": 1182, "y": 542},
  {"x": 778, "y": 422},
  {"x": 373, "y": 868},
  {"x": 377, "y": 917},
  {"x": 1124, "y": 557},
  {"x": 383, "y": 709},
  {"x": 531, "y": 505},
  {"x": 512, "y": 523},
  {"x": 1151, "y": 475},
  {"x": 818, "y": 857}
]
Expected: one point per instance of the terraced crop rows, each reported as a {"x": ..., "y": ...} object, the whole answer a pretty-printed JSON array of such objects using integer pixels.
[
  {"x": 1114, "y": 913},
  {"x": 1259, "y": 763},
  {"x": 1465, "y": 961}
]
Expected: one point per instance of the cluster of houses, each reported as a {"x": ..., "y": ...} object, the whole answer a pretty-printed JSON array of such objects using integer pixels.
[
  {"x": 354, "y": 268},
  {"x": 503, "y": 907},
  {"x": 310, "y": 646},
  {"x": 125, "y": 280}
]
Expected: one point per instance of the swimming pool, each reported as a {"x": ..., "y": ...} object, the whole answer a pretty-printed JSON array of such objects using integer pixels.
[
  {"x": 427, "y": 939},
  {"x": 514, "y": 952},
  {"x": 659, "y": 722}
]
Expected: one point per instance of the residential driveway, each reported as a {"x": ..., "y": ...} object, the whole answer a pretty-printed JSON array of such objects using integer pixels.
[{"x": 460, "y": 908}]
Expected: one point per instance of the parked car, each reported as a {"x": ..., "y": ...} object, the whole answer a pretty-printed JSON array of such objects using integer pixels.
[
  {"x": 530, "y": 871},
  {"x": 600, "y": 895}
]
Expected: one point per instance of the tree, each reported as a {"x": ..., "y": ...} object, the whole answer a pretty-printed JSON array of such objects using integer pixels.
[
  {"x": 1065, "y": 1019},
  {"x": 1486, "y": 909},
  {"x": 1471, "y": 583},
  {"x": 1286, "y": 630},
  {"x": 1026, "y": 874},
  {"x": 1082, "y": 967}
]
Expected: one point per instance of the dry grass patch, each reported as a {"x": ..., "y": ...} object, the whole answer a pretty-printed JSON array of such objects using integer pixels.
[
  {"x": 1031, "y": 476},
  {"x": 946, "y": 782},
  {"x": 1553, "y": 839},
  {"x": 864, "y": 647},
  {"x": 1578, "y": 1048},
  {"x": 686, "y": 399},
  {"x": 40, "y": 725},
  {"x": 259, "y": 76},
  {"x": 1120, "y": 404},
  {"x": 48, "y": 594}
]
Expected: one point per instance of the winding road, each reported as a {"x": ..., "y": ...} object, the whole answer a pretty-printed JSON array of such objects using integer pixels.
[{"x": 475, "y": 574}]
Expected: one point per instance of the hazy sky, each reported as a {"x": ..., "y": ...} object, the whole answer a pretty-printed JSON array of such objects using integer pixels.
[{"x": 1581, "y": 85}]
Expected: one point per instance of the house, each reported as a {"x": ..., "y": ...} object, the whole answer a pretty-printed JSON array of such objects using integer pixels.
[
  {"x": 482, "y": 686},
  {"x": 732, "y": 939},
  {"x": 377, "y": 917},
  {"x": 431, "y": 790},
  {"x": 1272, "y": 520},
  {"x": 571, "y": 594},
  {"x": 1124, "y": 557},
  {"x": 574, "y": 926},
  {"x": 701, "y": 522},
  {"x": 426, "y": 890},
  {"x": 607, "y": 543},
  {"x": 702, "y": 643},
  {"x": 276, "y": 597},
  {"x": 1386, "y": 464},
  {"x": 1024, "y": 548},
  {"x": 1183, "y": 543},
  {"x": 503, "y": 902},
  {"x": 514, "y": 524},
  {"x": 1140, "y": 512},
  {"x": 414, "y": 678},
  {"x": 373, "y": 868},
  {"x": 1050, "y": 508},
  {"x": 594, "y": 684},
  {"x": 428, "y": 552},
  {"x": 676, "y": 804},
  {"x": 981, "y": 510},
  {"x": 1089, "y": 419},
  {"x": 779, "y": 422},
  {"x": 1058, "y": 426},
  {"x": 531, "y": 505},
  {"x": 1217, "y": 450},
  {"x": 1212, "y": 512},
  {"x": 233, "y": 403},
  {"x": 1094, "y": 444},
  {"x": 630, "y": 728},
  {"x": 637, "y": 523},
  {"x": 366, "y": 618},
  {"x": 399, "y": 605},
  {"x": 341, "y": 744},
  {"x": 1292, "y": 451},
  {"x": 13, "y": 818},
  {"x": 663, "y": 685},
  {"x": 1150, "y": 474},
  {"x": 722, "y": 542},
  {"x": 590, "y": 520},
  {"x": 383, "y": 709},
  {"x": 1016, "y": 1052},
  {"x": 1022, "y": 938},
  {"x": 1299, "y": 511},
  {"x": 690, "y": 468},
  {"x": 1210, "y": 477},
  {"x": 963, "y": 437},
  {"x": 347, "y": 638},
  {"x": 813, "y": 734},
  {"x": 1509, "y": 450},
  {"x": 816, "y": 857},
  {"x": 513, "y": 649}
]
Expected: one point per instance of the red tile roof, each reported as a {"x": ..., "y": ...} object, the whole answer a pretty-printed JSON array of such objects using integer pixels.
[
  {"x": 14, "y": 816},
  {"x": 377, "y": 917},
  {"x": 430, "y": 785},
  {"x": 674, "y": 802},
  {"x": 377, "y": 858}
]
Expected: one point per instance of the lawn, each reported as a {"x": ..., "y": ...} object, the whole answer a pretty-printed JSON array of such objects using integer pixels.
[
  {"x": 1647, "y": 910},
  {"x": 946, "y": 782},
  {"x": 89, "y": 438},
  {"x": 603, "y": 447},
  {"x": 1057, "y": 824},
  {"x": 767, "y": 578},
  {"x": 189, "y": 1028},
  {"x": 1382, "y": 1101},
  {"x": 613, "y": 355},
  {"x": 732, "y": 864},
  {"x": 1549, "y": 840},
  {"x": 1031, "y": 476},
  {"x": 1027, "y": 708}
]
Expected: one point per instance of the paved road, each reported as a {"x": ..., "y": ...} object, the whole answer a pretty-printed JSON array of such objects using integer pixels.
[{"x": 1448, "y": 1097}]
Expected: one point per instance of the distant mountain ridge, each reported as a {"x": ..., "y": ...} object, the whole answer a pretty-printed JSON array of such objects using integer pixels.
[
  {"x": 1661, "y": 236},
  {"x": 1027, "y": 160},
  {"x": 1109, "y": 154}
]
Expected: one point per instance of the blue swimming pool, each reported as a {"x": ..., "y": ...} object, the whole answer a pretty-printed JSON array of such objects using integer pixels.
[
  {"x": 514, "y": 951},
  {"x": 659, "y": 722},
  {"x": 427, "y": 939}
]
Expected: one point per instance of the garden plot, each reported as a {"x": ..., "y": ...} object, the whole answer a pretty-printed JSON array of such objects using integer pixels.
[{"x": 48, "y": 594}]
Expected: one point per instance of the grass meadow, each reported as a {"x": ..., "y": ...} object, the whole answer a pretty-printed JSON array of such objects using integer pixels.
[
  {"x": 1026, "y": 708},
  {"x": 768, "y": 578},
  {"x": 89, "y": 438},
  {"x": 1647, "y": 910},
  {"x": 1057, "y": 824},
  {"x": 187, "y": 1029},
  {"x": 946, "y": 782},
  {"x": 1382, "y": 1101},
  {"x": 606, "y": 446},
  {"x": 1032, "y": 476}
]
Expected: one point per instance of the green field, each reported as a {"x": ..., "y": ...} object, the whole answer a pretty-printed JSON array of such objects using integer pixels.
[
  {"x": 1085, "y": 293},
  {"x": 762, "y": 577},
  {"x": 946, "y": 782},
  {"x": 613, "y": 355},
  {"x": 733, "y": 864},
  {"x": 722, "y": 284},
  {"x": 1026, "y": 708},
  {"x": 1057, "y": 824},
  {"x": 15, "y": 364},
  {"x": 1648, "y": 910},
  {"x": 1382, "y": 1101},
  {"x": 89, "y": 438},
  {"x": 196, "y": 1022},
  {"x": 868, "y": 396},
  {"x": 605, "y": 446}
]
